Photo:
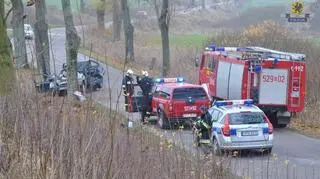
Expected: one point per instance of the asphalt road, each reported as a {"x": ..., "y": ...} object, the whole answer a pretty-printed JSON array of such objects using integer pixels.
[{"x": 295, "y": 155}]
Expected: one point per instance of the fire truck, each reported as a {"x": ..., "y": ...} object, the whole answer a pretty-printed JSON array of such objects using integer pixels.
[
  {"x": 174, "y": 101},
  {"x": 275, "y": 80}
]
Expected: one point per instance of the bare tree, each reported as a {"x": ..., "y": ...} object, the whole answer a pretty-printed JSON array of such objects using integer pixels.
[
  {"x": 41, "y": 36},
  {"x": 73, "y": 43},
  {"x": 116, "y": 20},
  {"x": 128, "y": 31},
  {"x": 203, "y": 4},
  {"x": 6, "y": 67},
  {"x": 82, "y": 5},
  {"x": 164, "y": 21},
  {"x": 17, "y": 23},
  {"x": 101, "y": 4}
]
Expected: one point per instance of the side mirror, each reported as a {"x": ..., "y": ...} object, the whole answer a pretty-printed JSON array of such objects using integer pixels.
[{"x": 196, "y": 62}]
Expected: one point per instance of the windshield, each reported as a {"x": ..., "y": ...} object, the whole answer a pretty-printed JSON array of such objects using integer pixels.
[
  {"x": 246, "y": 118},
  {"x": 185, "y": 93}
]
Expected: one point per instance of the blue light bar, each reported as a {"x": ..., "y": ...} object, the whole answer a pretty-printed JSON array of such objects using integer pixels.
[
  {"x": 170, "y": 80},
  {"x": 222, "y": 103},
  {"x": 228, "y": 49},
  {"x": 247, "y": 102}
]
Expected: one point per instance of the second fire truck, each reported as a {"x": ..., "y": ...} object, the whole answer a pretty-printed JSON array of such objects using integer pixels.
[{"x": 275, "y": 80}]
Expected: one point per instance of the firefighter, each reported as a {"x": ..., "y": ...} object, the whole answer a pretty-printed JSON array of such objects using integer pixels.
[
  {"x": 146, "y": 84},
  {"x": 204, "y": 123},
  {"x": 127, "y": 87}
]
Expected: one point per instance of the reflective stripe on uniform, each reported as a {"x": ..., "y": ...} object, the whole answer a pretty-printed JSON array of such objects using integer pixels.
[
  {"x": 128, "y": 82},
  {"x": 205, "y": 125}
]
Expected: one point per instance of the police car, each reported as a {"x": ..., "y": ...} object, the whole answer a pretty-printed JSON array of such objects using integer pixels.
[{"x": 239, "y": 125}]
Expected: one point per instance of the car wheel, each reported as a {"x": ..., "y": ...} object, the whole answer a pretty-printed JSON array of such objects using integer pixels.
[
  {"x": 282, "y": 125},
  {"x": 216, "y": 148},
  {"x": 268, "y": 151}
]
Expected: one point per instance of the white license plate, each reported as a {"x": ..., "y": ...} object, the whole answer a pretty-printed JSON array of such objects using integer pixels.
[
  {"x": 189, "y": 115},
  {"x": 249, "y": 133}
]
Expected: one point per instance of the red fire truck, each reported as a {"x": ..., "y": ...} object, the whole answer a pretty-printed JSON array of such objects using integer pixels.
[{"x": 275, "y": 80}]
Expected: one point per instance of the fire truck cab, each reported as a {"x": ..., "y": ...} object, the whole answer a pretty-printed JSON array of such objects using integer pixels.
[{"x": 275, "y": 80}]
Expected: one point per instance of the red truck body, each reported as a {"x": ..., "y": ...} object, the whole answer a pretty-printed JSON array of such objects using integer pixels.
[
  {"x": 173, "y": 101},
  {"x": 275, "y": 80}
]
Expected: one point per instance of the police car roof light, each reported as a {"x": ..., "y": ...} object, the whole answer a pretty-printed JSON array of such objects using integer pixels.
[
  {"x": 247, "y": 102},
  {"x": 223, "y": 103},
  {"x": 169, "y": 80}
]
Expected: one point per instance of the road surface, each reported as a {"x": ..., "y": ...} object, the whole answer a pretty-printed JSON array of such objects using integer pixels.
[{"x": 296, "y": 156}]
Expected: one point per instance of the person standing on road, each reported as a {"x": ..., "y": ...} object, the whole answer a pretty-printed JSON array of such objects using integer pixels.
[
  {"x": 127, "y": 87},
  {"x": 204, "y": 123},
  {"x": 146, "y": 84}
]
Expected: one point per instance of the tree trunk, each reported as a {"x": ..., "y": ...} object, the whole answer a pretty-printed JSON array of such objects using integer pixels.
[
  {"x": 101, "y": 13},
  {"x": 203, "y": 4},
  {"x": 164, "y": 20},
  {"x": 73, "y": 43},
  {"x": 17, "y": 22},
  {"x": 116, "y": 21},
  {"x": 6, "y": 67},
  {"x": 193, "y": 2},
  {"x": 82, "y": 6},
  {"x": 41, "y": 38},
  {"x": 128, "y": 32}
]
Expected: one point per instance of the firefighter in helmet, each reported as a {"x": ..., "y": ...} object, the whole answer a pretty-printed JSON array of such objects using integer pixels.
[
  {"x": 204, "y": 123},
  {"x": 127, "y": 87},
  {"x": 146, "y": 84}
]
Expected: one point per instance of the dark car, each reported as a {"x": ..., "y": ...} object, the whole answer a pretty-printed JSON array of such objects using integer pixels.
[{"x": 93, "y": 73}]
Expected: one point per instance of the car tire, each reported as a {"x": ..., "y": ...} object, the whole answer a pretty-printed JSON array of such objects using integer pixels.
[
  {"x": 162, "y": 120},
  {"x": 216, "y": 148},
  {"x": 268, "y": 151},
  {"x": 282, "y": 125}
]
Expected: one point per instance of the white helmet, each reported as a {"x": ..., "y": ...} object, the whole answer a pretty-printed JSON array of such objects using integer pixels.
[
  {"x": 129, "y": 72},
  {"x": 145, "y": 73}
]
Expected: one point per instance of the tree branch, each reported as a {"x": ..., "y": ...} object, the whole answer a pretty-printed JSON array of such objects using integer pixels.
[{"x": 8, "y": 13}]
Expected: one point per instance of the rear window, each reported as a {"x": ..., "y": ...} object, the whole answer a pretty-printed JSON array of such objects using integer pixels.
[
  {"x": 246, "y": 118},
  {"x": 185, "y": 93}
]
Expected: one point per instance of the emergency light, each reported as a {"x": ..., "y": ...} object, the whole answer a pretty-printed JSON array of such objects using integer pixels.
[
  {"x": 247, "y": 102},
  {"x": 227, "y": 49},
  {"x": 170, "y": 80}
]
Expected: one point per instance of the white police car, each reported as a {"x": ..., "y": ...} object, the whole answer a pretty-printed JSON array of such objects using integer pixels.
[{"x": 239, "y": 125}]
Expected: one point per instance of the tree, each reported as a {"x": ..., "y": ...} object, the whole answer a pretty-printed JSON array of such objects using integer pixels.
[
  {"x": 6, "y": 67},
  {"x": 203, "y": 4},
  {"x": 116, "y": 20},
  {"x": 82, "y": 5},
  {"x": 72, "y": 47},
  {"x": 41, "y": 36},
  {"x": 17, "y": 23},
  {"x": 128, "y": 32},
  {"x": 101, "y": 4},
  {"x": 163, "y": 22}
]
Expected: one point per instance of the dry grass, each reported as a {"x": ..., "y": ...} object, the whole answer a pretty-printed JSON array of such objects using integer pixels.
[{"x": 46, "y": 137}]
